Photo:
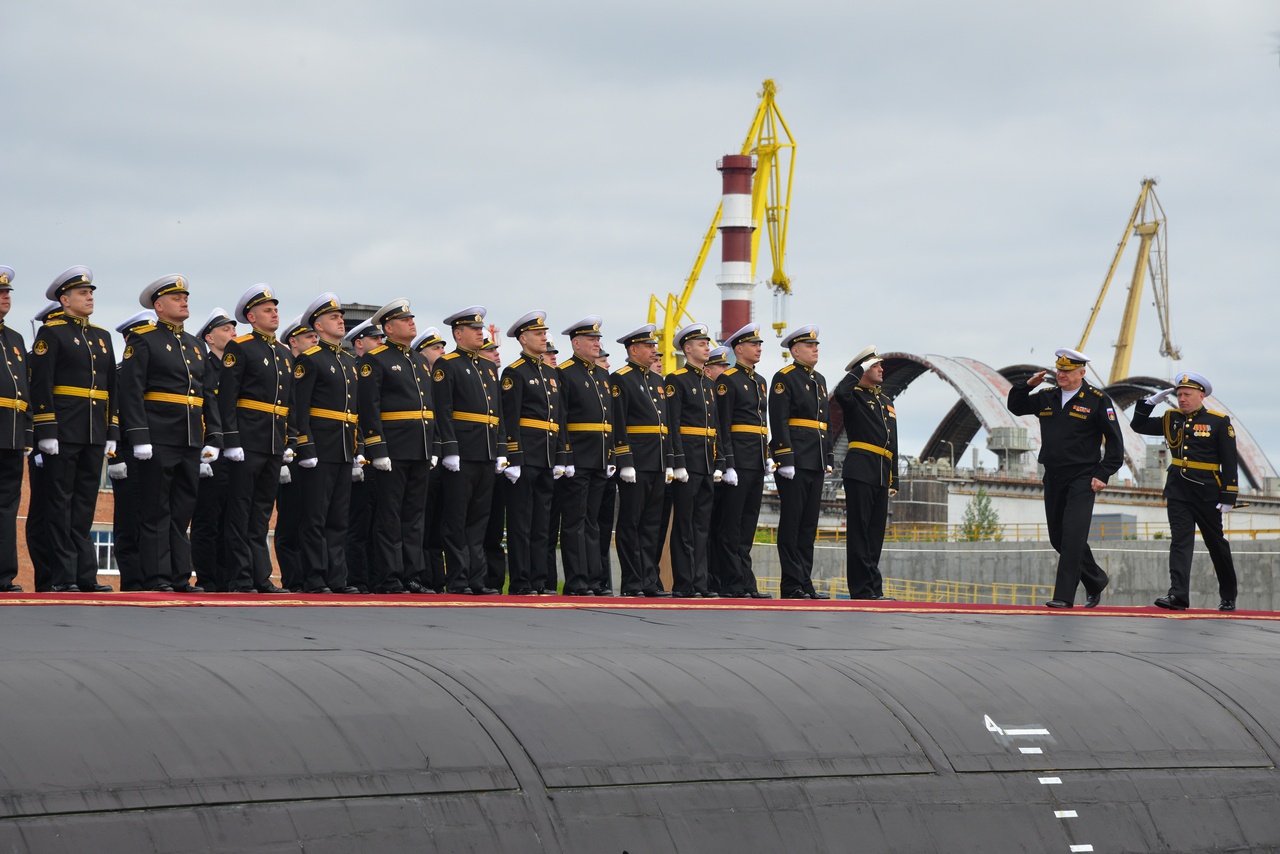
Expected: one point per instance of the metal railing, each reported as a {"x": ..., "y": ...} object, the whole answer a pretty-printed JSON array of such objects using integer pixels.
[{"x": 934, "y": 532}]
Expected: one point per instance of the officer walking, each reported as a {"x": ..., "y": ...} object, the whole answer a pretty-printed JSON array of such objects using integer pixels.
[
  {"x": 325, "y": 399},
  {"x": 1201, "y": 488},
  {"x": 255, "y": 392},
  {"x": 472, "y": 449},
  {"x": 15, "y": 434},
  {"x": 645, "y": 458},
  {"x": 800, "y": 418},
  {"x": 691, "y": 407},
  {"x": 871, "y": 425},
  {"x": 1080, "y": 448},
  {"x": 398, "y": 426},
  {"x": 73, "y": 387},
  {"x": 537, "y": 453},
  {"x": 363, "y": 338},
  {"x": 171, "y": 423},
  {"x": 208, "y": 545}
]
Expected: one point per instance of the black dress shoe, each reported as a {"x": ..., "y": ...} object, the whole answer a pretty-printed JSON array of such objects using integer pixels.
[
  {"x": 1227, "y": 605},
  {"x": 682, "y": 594},
  {"x": 484, "y": 591},
  {"x": 760, "y": 594},
  {"x": 244, "y": 590},
  {"x": 96, "y": 588},
  {"x": 1171, "y": 604},
  {"x": 578, "y": 593},
  {"x": 11, "y": 588},
  {"x": 160, "y": 588},
  {"x": 390, "y": 591},
  {"x": 347, "y": 591},
  {"x": 271, "y": 588},
  {"x": 415, "y": 587},
  {"x": 317, "y": 590},
  {"x": 658, "y": 594},
  {"x": 710, "y": 595},
  {"x": 604, "y": 591},
  {"x": 525, "y": 592},
  {"x": 188, "y": 588},
  {"x": 818, "y": 594},
  {"x": 64, "y": 588},
  {"x": 1091, "y": 600},
  {"x": 795, "y": 594},
  {"x": 292, "y": 588},
  {"x": 547, "y": 591},
  {"x": 884, "y": 599},
  {"x": 363, "y": 588},
  {"x": 1057, "y": 603},
  {"x": 633, "y": 594}
]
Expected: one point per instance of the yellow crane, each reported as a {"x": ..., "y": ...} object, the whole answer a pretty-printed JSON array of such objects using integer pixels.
[
  {"x": 1148, "y": 222},
  {"x": 770, "y": 140}
]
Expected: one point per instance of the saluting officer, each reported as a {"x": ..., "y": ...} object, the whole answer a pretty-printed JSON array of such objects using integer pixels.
[
  {"x": 537, "y": 452},
  {"x": 208, "y": 545},
  {"x": 297, "y": 336},
  {"x": 15, "y": 434},
  {"x": 472, "y": 449},
  {"x": 398, "y": 426},
  {"x": 691, "y": 407},
  {"x": 73, "y": 387},
  {"x": 432, "y": 347},
  {"x": 871, "y": 425},
  {"x": 588, "y": 408},
  {"x": 39, "y": 539},
  {"x": 126, "y": 491},
  {"x": 255, "y": 392},
  {"x": 1080, "y": 448},
  {"x": 800, "y": 418},
  {"x": 742, "y": 399},
  {"x": 1201, "y": 488},
  {"x": 363, "y": 337},
  {"x": 645, "y": 458},
  {"x": 171, "y": 422},
  {"x": 325, "y": 399}
]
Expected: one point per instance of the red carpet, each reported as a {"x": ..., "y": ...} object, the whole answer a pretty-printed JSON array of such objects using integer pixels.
[{"x": 300, "y": 600}]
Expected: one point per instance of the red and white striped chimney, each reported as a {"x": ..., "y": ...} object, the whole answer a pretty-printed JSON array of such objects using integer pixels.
[{"x": 736, "y": 225}]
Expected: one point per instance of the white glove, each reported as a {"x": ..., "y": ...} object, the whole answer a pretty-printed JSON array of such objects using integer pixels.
[
  {"x": 671, "y": 475},
  {"x": 1158, "y": 396},
  {"x": 289, "y": 454},
  {"x": 206, "y": 470},
  {"x": 117, "y": 471},
  {"x": 435, "y": 460},
  {"x": 360, "y": 460},
  {"x": 609, "y": 471},
  {"x": 110, "y": 450},
  {"x": 717, "y": 476},
  {"x": 382, "y": 463},
  {"x": 787, "y": 471},
  {"x": 286, "y": 476},
  {"x": 235, "y": 455},
  {"x": 208, "y": 454},
  {"x": 39, "y": 461},
  {"x": 557, "y": 472},
  {"x": 570, "y": 471},
  {"x": 499, "y": 465},
  {"x": 142, "y": 452},
  {"x": 628, "y": 474},
  {"x": 48, "y": 447},
  {"x": 452, "y": 462},
  {"x": 512, "y": 473},
  {"x": 829, "y": 469},
  {"x": 309, "y": 463},
  {"x": 357, "y": 473},
  {"x": 1225, "y": 508},
  {"x": 769, "y": 464},
  {"x": 731, "y": 477},
  {"x": 682, "y": 474}
]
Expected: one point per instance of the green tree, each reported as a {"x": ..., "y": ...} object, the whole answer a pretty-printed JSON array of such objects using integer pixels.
[{"x": 980, "y": 520}]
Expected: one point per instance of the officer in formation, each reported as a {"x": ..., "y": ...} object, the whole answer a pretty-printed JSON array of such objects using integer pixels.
[
  {"x": 38, "y": 534},
  {"x": 1202, "y": 484},
  {"x": 432, "y": 347},
  {"x": 871, "y": 424},
  {"x": 15, "y": 434},
  {"x": 297, "y": 336},
  {"x": 1081, "y": 447},
  {"x": 208, "y": 544},
  {"x": 126, "y": 513},
  {"x": 364, "y": 337}
]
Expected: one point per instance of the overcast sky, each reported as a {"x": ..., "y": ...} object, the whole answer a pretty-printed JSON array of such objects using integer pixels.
[{"x": 965, "y": 170}]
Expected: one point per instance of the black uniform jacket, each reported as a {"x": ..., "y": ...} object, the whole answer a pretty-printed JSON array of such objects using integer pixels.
[
  {"x": 742, "y": 403},
  {"x": 167, "y": 389},
  {"x": 588, "y": 407},
  {"x": 15, "y": 395},
  {"x": 800, "y": 419},
  {"x": 469, "y": 407},
  {"x": 324, "y": 399},
  {"x": 255, "y": 393},
  {"x": 641, "y": 437},
  {"x": 1202, "y": 450},
  {"x": 533, "y": 414},
  {"x": 73, "y": 382},
  {"x": 871, "y": 425},
  {"x": 1070, "y": 435},
  {"x": 691, "y": 406}
]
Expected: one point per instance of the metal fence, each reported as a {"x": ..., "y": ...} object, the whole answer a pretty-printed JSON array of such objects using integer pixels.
[{"x": 933, "y": 532}]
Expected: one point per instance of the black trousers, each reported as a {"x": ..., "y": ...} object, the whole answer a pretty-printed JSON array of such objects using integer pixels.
[
  {"x": 735, "y": 531},
  {"x": 10, "y": 496},
  {"x": 288, "y": 543},
  {"x": 126, "y": 522},
  {"x": 867, "y": 512},
  {"x": 639, "y": 521},
  {"x": 39, "y": 541},
  {"x": 604, "y": 522},
  {"x": 167, "y": 498},
  {"x": 397, "y": 524},
  {"x": 432, "y": 539},
  {"x": 580, "y": 498},
  {"x": 208, "y": 545},
  {"x": 495, "y": 558},
  {"x": 251, "y": 492},
  {"x": 468, "y": 494},
  {"x": 74, "y": 474},
  {"x": 1068, "y": 508},
  {"x": 801, "y": 498},
  {"x": 664, "y": 523},
  {"x": 359, "y": 551},
  {"x": 690, "y": 528},
  {"x": 528, "y": 504},
  {"x": 1184, "y": 518},
  {"x": 555, "y": 533},
  {"x": 322, "y": 528}
]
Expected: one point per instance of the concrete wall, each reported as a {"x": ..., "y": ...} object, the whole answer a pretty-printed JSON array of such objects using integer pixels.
[{"x": 1139, "y": 569}]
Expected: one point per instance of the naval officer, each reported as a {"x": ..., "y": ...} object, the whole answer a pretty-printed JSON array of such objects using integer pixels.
[
  {"x": 208, "y": 545},
  {"x": 363, "y": 338},
  {"x": 1202, "y": 484},
  {"x": 432, "y": 346},
  {"x": 125, "y": 509},
  {"x": 15, "y": 434},
  {"x": 1080, "y": 448},
  {"x": 39, "y": 544}
]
